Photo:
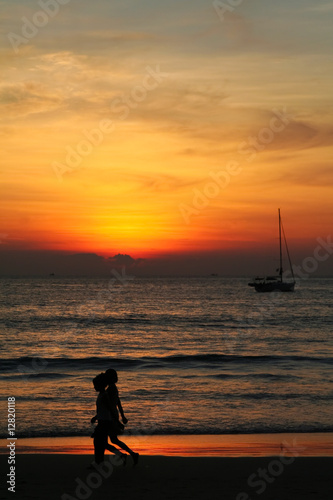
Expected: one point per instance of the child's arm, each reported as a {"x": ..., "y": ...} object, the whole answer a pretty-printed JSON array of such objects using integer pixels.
[
  {"x": 124, "y": 419},
  {"x": 93, "y": 420}
]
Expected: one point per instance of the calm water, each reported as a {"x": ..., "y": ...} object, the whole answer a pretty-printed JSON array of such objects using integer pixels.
[{"x": 193, "y": 355}]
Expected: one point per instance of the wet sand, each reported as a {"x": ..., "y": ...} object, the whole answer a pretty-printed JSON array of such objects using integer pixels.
[
  {"x": 66, "y": 477},
  {"x": 275, "y": 467}
]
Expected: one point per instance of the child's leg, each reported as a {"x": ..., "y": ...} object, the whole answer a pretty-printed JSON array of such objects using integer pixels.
[
  {"x": 115, "y": 440},
  {"x": 99, "y": 444},
  {"x": 113, "y": 449},
  {"x": 123, "y": 446}
]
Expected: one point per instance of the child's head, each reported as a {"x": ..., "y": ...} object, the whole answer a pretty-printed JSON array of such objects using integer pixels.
[
  {"x": 111, "y": 376},
  {"x": 100, "y": 382}
]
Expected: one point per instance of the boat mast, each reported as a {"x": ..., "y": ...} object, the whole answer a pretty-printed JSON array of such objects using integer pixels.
[
  {"x": 281, "y": 270},
  {"x": 285, "y": 242}
]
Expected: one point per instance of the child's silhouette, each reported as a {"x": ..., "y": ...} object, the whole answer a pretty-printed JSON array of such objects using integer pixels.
[
  {"x": 114, "y": 404},
  {"x": 103, "y": 416}
]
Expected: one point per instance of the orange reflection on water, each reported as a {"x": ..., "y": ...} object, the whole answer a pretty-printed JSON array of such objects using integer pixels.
[{"x": 253, "y": 445}]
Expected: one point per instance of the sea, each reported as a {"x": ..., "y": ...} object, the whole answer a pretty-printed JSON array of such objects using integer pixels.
[{"x": 194, "y": 355}]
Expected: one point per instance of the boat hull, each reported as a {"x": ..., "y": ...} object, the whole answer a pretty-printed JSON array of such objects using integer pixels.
[
  {"x": 273, "y": 287},
  {"x": 276, "y": 283}
]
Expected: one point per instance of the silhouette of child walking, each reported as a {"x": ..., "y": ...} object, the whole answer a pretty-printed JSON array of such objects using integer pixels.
[
  {"x": 103, "y": 416},
  {"x": 114, "y": 404}
]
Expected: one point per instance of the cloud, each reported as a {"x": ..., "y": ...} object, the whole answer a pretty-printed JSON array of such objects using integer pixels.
[
  {"x": 25, "y": 98},
  {"x": 311, "y": 176},
  {"x": 324, "y": 7},
  {"x": 239, "y": 30},
  {"x": 156, "y": 182},
  {"x": 124, "y": 260},
  {"x": 43, "y": 263}
]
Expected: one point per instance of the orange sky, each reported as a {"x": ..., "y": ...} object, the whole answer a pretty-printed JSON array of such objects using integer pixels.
[{"x": 162, "y": 130}]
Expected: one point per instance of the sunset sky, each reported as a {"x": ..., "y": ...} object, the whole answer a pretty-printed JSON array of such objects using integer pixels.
[{"x": 166, "y": 130}]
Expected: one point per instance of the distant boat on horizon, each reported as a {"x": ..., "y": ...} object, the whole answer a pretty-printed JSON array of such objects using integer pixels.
[{"x": 276, "y": 283}]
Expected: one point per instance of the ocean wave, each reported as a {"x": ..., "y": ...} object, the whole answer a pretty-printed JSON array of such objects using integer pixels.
[
  {"x": 176, "y": 431},
  {"x": 269, "y": 376},
  {"x": 96, "y": 318},
  {"x": 49, "y": 375},
  {"x": 35, "y": 364}
]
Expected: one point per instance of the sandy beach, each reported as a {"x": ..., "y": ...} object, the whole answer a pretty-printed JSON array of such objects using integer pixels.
[
  {"x": 66, "y": 477},
  {"x": 236, "y": 468}
]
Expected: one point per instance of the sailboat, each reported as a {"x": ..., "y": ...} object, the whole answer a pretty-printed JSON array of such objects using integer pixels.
[{"x": 276, "y": 283}]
